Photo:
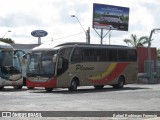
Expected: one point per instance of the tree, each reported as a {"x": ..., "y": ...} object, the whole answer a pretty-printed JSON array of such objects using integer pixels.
[
  {"x": 7, "y": 40},
  {"x": 135, "y": 42}
]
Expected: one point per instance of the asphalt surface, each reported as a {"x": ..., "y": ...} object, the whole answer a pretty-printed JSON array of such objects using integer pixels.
[{"x": 134, "y": 97}]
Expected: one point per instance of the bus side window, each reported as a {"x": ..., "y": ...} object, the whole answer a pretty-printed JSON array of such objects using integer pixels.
[
  {"x": 132, "y": 55},
  {"x": 122, "y": 55},
  {"x": 112, "y": 54},
  {"x": 89, "y": 55},
  {"x": 77, "y": 55},
  {"x": 98, "y": 55}
]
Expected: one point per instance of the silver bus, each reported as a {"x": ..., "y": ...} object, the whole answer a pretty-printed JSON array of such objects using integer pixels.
[{"x": 10, "y": 67}]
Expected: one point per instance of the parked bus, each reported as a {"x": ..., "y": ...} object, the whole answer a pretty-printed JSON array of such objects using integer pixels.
[
  {"x": 10, "y": 67},
  {"x": 71, "y": 65}
]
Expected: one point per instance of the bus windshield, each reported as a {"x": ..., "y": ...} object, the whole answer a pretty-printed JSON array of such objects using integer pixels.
[
  {"x": 10, "y": 67},
  {"x": 41, "y": 64}
]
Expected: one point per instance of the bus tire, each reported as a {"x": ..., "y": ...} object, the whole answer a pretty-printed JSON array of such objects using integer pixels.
[
  {"x": 18, "y": 87},
  {"x": 121, "y": 82},
  {"x": 2, "y": 87},
  {"x": 98, "y": 86},
  {"x": 49, "y": 89},
  {"x": 74, "y": 85}
]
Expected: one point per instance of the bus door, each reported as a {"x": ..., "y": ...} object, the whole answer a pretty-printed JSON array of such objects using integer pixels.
[{"x": 63, "y": 67}]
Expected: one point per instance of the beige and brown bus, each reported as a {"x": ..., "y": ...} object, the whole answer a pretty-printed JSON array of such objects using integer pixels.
[{"x": 70, "y": 65}]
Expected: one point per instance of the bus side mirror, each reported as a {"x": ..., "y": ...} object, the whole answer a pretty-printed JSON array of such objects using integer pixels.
[
  {"x": 54, "y": 59},
  {"x": 15, "y": 57},
  {"x": 19, "y": 53},
  {"x": 24, "y": 58}
]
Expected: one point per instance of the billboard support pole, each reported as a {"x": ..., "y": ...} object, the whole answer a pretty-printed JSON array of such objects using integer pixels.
[
  {"x": 97, "y": 32},
  {"x": 101, "y": 35},
  {"x": 88, "y": 37},
  {"x": 110, "y": 37}
]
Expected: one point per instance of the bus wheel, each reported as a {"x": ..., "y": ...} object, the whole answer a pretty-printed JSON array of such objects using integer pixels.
[
  {"x": 74, "y": 85},
  {"x": 98, "y": 86},
  {"x": 1, "y": 87},
  {"x": 18, "y": 87},
  {"x": 48, "y": 89},
  {"x": 121, "y": 82}
]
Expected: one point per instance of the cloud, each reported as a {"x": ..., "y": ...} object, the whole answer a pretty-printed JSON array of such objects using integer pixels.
[
  {"x": 20, "y": 20},
  {"x": 24, "y": 16}
]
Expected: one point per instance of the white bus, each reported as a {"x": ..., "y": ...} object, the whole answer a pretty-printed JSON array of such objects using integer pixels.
[
  {"x": 10, "y": 67},
  {"x": 71, "y": 65}
]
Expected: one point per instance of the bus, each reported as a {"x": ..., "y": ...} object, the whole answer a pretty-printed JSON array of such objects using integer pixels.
[
  {"x": 10, "y": 67},
  {"x": 110, "y": 18},
  {"x": 70, "y": 65}
]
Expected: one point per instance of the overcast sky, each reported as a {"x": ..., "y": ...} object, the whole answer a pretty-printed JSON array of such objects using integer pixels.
[{"x": 21, "y": 17}]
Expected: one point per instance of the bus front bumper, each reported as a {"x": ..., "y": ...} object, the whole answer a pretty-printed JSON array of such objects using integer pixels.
[{"x": 52, "y": 83}]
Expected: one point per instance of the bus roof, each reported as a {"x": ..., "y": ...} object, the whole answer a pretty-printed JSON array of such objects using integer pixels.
[
  {"x": 45, "y": 46},
  {"x": 52, "y": 46},
  {"x": 94, "y": 45},
  {"x": 5, "y": 45}
]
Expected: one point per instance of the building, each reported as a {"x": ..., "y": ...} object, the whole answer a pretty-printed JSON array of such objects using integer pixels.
[
  {"x": 24, "y": 47},
  {"x": 143, "y": 57}
]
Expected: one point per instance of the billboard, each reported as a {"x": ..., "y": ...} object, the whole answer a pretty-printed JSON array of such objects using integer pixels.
[{"x": 110, "y": 17}]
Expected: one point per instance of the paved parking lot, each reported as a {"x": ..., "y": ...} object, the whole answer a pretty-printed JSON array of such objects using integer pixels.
[{"x": 134, "y": 97}]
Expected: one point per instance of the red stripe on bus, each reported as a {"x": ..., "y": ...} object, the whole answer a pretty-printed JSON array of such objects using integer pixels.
[
  {"x": 52, "y": 83},
  {"x": 120, "y": 67}
]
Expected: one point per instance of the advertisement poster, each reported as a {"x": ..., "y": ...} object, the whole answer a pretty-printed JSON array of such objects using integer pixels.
[{"x": 110, "y": 17}]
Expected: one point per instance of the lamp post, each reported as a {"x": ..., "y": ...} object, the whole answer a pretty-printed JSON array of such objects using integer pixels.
[
  {"x": 6, "y": 33},
  {"x": 149, "y": 56},
  {"x": 87, "y": 33}
]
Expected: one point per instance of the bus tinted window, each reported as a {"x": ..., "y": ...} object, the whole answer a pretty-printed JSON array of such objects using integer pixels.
[
  {"x": 122, "y": 55},
  {"x": 88, "y": 55},
  {"x": 65, "y": 53},
  {"x": 132, "y": 55},
  {"x": 101, "y": 55},
  {"x": 112, "y": 54},
  {"x": 77, "y": 55}
]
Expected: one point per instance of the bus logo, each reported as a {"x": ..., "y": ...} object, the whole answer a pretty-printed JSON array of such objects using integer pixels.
[{"x": 81, "y": 67}]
